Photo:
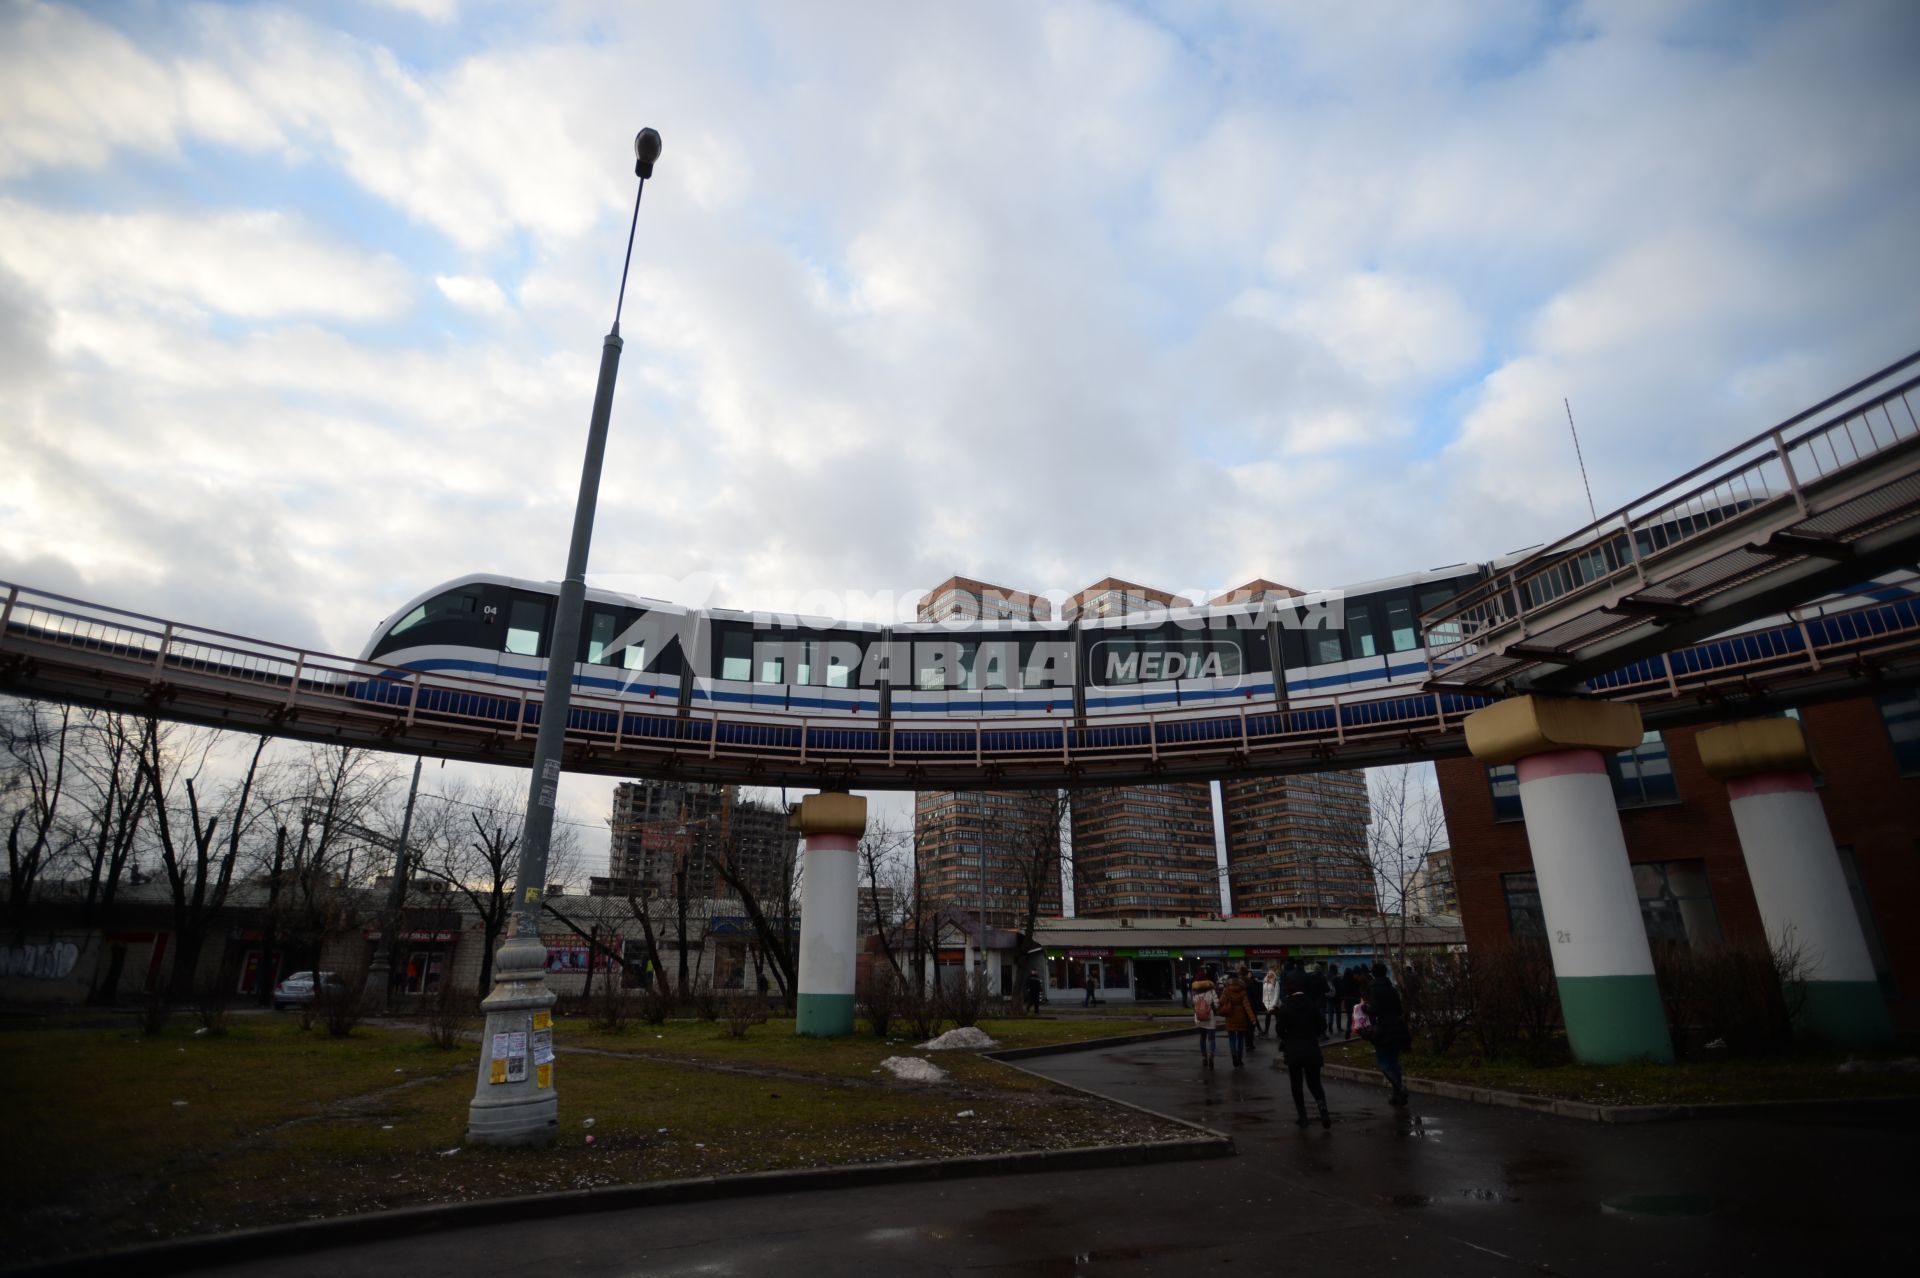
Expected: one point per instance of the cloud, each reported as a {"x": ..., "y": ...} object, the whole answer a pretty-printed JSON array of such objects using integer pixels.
[
  {"x": 475, "y": 293},
  {"x": 1038, "y": 293},
  {"x": 251, "y": 265}
]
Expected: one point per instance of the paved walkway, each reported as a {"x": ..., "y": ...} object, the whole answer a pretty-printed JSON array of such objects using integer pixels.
[{"x": 1445, "y": 1188}]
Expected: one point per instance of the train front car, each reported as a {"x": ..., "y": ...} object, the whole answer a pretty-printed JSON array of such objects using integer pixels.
[{"x": 486, "y": 639}]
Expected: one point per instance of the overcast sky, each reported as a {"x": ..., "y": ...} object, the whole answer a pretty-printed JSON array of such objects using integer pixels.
[{"x": 300, "y": 308}]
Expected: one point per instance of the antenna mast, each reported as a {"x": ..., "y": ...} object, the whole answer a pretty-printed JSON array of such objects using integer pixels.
[{"x": 1591, "y": 512}]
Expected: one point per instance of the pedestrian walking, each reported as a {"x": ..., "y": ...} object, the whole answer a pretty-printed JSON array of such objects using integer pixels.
[
  {"x": 1255, "y": 1005},
  {"x": 1270, "y": 995},
  {"x": 1238, "y": 1014},
  {"x": 1348, "y": 993},
  {"x": 1033, "y": 991},
  {"x": 1297, "y": 1023},
  {"x": 1205, "y": 1020},
  {"x": 1386, "y": 1029},
  {"x": 1088, "y": 1001},
  {"x": 1333, "y": 998},
  {"x": 1186, "y": 987}
]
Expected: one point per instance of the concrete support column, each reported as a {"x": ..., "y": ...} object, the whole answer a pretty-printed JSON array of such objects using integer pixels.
[
  {"x": 1601, "y": 961},
  {"x": 830, "y": 826},
  {"x": 1796, "y": 875}
]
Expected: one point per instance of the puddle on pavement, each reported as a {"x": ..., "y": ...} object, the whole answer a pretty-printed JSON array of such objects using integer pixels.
[
  {"x": 1659, "y": 1205},
  {"x": 1535, "y": 1168},
  {"x": 1080, "y": 1262}
]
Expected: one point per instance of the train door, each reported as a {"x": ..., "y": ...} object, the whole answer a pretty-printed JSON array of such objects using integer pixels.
[{"x": 525, "y": 627}]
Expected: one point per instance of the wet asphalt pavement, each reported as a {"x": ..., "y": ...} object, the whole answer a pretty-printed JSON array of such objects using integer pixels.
[{"x": 1444, "y": 1187}]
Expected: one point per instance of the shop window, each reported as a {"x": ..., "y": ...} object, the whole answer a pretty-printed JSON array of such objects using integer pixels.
[
  {"x": 1643, "y": 776},
  {"x": 1503, "y": 779},
  {"x": 1900, "y": 713}
]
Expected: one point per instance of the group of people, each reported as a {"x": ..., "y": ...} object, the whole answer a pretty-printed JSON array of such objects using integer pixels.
[{"x": 1299, "y": 1006}]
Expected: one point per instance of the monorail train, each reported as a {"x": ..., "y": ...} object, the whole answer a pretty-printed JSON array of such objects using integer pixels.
[
  {"x": 1165, "y": 662},
  {"x": 1104, "y": 676}
]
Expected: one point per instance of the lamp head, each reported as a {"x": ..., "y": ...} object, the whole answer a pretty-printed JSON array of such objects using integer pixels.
[{"x": 646, "y": 149}]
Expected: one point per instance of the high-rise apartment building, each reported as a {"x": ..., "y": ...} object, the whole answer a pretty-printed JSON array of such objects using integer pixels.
[
  {"x": 1430, "y": 888},
  {"x": 1145, "y": 850},
  {"x": 1113, "y": 597},
  {"x": 1013, "y": 835},
  {"x": 964, "y": 599},
  {"x": 1141, "y": 849},
  {"x": 658, "y": 826},
  {"x": 1298, "y": 845}
]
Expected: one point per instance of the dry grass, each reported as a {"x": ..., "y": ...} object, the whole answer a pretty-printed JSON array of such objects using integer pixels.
[{"x": 281, "y": 1124}]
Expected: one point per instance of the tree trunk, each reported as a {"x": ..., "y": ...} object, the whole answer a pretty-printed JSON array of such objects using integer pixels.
[
  {"x": 106, "y": 989},
  {"x": 187, "y": 944}
]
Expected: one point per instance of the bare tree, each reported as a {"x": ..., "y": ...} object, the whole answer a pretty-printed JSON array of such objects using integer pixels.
[
  {"x": 775, "y": 941},
  {"x": 475, "y": 851},
  {"x": 1408, "y": 826},
  {"x": 199, "y": 867},
  {"x": 33, "y": 776},
  {"x": 885, "y": 853},
  {"x": 331, "y": 795},
  {"x": 1041, "y": 843}
]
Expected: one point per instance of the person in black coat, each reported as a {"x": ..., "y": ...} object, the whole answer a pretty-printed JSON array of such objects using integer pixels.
[
  {"x": 1298, "y": 1023},
  {"x": 1387, "y": 1030},
  {"x": 1254, "y": 1003}
]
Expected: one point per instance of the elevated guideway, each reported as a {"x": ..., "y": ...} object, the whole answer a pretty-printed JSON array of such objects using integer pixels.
[
  {"x": 1734, "y": 589},
  {"x": 1825, "y": 500},
  {"x": 64, "y": 649}
]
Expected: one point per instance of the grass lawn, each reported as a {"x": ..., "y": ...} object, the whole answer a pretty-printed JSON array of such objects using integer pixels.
[
  {"x": 1802, "y": 1076},
  {"x": 282, "y": 1125}
]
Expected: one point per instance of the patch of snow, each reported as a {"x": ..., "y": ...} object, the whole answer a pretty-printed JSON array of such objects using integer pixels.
[
  {"x": 914, "y": 1070},
  {"x": 969, "y": 1038}
]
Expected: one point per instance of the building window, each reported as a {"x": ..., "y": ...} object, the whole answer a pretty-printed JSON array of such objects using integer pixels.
[
  {"x": 1643, "y": 775},
  {"x": 1900, "y": 712},
  {"x": 1524, "y": 916},
  {"x": 1503, "y": 779},
  {"x": 1676, "y": 904}
]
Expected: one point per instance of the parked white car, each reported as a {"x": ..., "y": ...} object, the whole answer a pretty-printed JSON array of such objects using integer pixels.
[{"x": 302, "y": 986}]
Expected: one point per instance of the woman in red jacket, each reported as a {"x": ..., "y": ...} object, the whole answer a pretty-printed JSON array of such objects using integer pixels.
[{"x": 1238, "y": 1013}]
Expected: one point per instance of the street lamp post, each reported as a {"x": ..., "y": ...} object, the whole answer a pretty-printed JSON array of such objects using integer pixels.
[{"x": 514, "y": 1100}]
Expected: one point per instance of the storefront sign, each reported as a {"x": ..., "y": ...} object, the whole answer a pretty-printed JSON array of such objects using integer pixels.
[
  {"x": 435, "y": 936},
  {"x": 1090, "y": 953}
]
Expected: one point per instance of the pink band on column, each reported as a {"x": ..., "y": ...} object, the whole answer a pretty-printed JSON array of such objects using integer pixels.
[
  {"x": 1561, "y": 763},
  {"x": 831, "y": 842},
  {"x": 1770, "y": 783}
]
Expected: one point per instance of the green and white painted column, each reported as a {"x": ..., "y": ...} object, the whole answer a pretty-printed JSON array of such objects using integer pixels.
[
  {"x": 830, "y": 825},
  {"x": 1601, "y": 961},
  {"x": 1797, "y": 880}
]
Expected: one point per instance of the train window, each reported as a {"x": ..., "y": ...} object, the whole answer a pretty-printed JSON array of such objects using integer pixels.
[
  {"x": 526, "y": 619},
  {"x": 603, "y": 631},
  {"x": 995, "y": 666},
  {"x": 771, "y": 659},
  {"x": 1360, "y": 631},
  {"x": 838, "y": 658},
  {"x": 1400, "y": 627},
  {"x": 455, "y": 605},
  {"x": 1046, "y": 663},
  {"x": 736, "y": 655},
  {"x": 1323, "y": 647}
]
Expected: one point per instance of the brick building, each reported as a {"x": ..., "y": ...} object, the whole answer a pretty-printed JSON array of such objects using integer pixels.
[
  {"x": 1686, "y": 854},
  {"x": 957, "y": 833},
  {"x": 1145, "y": 850},
  {"x": 1298, "y": 845}
]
